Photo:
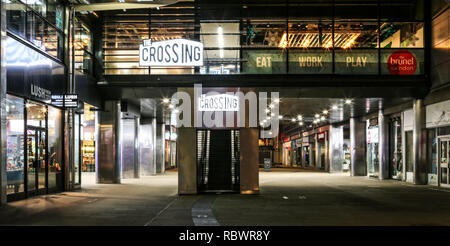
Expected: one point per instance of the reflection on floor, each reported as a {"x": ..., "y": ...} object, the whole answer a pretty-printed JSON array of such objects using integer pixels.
[{"x": 288, "y": 197}]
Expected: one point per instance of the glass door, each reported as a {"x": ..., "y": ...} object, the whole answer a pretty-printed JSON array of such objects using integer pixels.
[
  {"x": 36, "y": 151},
  {"x": 444, "y": 154}
]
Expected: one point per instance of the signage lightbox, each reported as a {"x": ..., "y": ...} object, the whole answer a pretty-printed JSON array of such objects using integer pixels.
[
  {"x": 66, "y": 100},
  {"x": 221, "y": 102},
  {"x": 170, "y": 53}
]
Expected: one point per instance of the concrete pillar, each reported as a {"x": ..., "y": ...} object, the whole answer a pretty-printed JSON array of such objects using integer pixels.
[
  {"x": 160, "y": 148},
  {"x": 108, "y": 147},
  {"x": 336, "y": 148},
  {"x": 249, "y": 170},
  {"x": 419, "y": 143},
  {"x": 316, "y": 152},
  {"x": 383, "y": 145},
  {"x": 187, "y": 160},
  {"x": 187, "y": 153},
  {"x": 3, "y": 104},
  {"x": 358, "y": 147}
]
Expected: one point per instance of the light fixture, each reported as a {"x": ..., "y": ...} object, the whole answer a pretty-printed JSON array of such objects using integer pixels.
[
  {"x": 272, "y": 114},
  {"x": 176, "y": 111},
  {"x": 171, "y": 106},
  {"x": 293, "y": 120},
  {"x": 325, "y": 111},
  {"x": 322, "y": 118},
  {"x": 165, "y": 100},
  {"x": 261, "y": 124},
  {"x": 280, "y": 117},
  {"x": 271, "y": 105},
  {"x": 317, "y": 115},
  {"x": 300, "y": 123},
  {"x": 270, "y": 133},
  {"x": 299, "y": 117},
  {"x": 334, "y": 107},
  {"x": 220, "y": 39},
  {"x": 348, "y": 101},
  {"x": 267, "y": 110},
  {"x": 276, "y": 100}
]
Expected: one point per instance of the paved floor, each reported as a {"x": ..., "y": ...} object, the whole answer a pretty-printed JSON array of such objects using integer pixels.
[{"x": 288, "y": 197}]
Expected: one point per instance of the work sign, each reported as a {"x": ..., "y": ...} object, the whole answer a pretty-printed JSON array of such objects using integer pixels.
[{"x": 170, "y": 53}]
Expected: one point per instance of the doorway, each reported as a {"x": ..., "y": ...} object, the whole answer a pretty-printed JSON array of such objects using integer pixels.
[
  {"x": 36, "y": 159},
  {"x": 444, "y": 163},
  {"x": 218, "y": 160}
]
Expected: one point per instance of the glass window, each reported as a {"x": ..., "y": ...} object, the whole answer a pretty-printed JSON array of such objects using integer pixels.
[
  {"x": 55, "y": 13},
  {"x": 405, "y": 10},
  {"x": 310, "y": 35},
  {"x": 39, "y": 6},
  {"x": 401, "y": 35},
  {"x": 356, "y": 35},
  {"x": 15, "y": 144},
  {"x": 54, "y": 149},
  {"x": 265, "y": 34},
  {"x": 16, "y": 17},
  {"x": 221, "y": 42},
  {"x": 356, "y": 10},
  {"x": 35, "y": 30}
]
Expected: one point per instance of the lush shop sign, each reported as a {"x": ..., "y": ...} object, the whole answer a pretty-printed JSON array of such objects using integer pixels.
[{"x": 174, "y": 52}]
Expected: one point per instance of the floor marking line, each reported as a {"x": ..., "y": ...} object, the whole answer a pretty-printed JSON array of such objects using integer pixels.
[{"x": 160, "y": 212}]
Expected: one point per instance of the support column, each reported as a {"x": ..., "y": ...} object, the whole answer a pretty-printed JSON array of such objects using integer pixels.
[
  {"x": 159, "y": 148},
  {"x": 108, "y": 148},
  {"x": 137, "y": 166},
  {"x": 187, "y": 152},
  {"x": 316, "y": 152},
  {"x": 383, "y": 145},
  {"x": 336, "y": 148},
  {"x": 249, "y": 169},
  {"x": 419, "y": 143},
  {"x": 3, "y": 104},
  {"x": 358, "y": 147},
  {"x": 187, "y": 160}
]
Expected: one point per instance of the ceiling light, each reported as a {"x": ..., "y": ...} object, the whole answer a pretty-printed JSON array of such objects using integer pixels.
[
  {"x": 276, "y": 100},
  {"x": 280, "y": 117},
  {"x": 171, "y": 106},
  {"x": 348, "y": 101},
  {"x": 271, "y": 105},
  {"x": 176, "y": 111},
  {"x": 267, "y": 110},
  {"x": 272, "y": 114},
  {"x": 322, "y": 118},
  {"x": 165, "y": 100},
  {"x": 293, "y": 120},
  {"x": 299, "y": 117},
  {"x": 325, "y": 111},
  {"x": 220, "y": 39},
  {"x": 261, "y": 124},
  {"x": 334, "y": 107},
  {"x": 300, "y": 123},
  {"x": 317, "y": 115}
]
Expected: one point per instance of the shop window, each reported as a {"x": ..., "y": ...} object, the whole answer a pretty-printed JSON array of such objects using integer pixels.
[
  {"x": 35, "y": 30},
  {"x": 259, "y": 33},
  {"x": 16, "y": 17},
  {"x": 409, "y": 151},
  {"x": 54, "y": 149},
  {"x": 15, "y": 144},
  {"x": 83, "y": 49},
  {"x": 310, "y": 9}
]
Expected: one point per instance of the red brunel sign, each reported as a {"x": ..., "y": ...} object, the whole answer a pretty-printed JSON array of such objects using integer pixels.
[{"x": 402, "y": 62}]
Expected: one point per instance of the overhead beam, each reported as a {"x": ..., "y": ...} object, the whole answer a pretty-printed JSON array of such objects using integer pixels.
[{"x": 120, "y": 6}]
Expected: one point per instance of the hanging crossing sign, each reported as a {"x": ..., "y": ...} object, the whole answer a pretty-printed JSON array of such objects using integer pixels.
[{"x": 170, "y": 53}]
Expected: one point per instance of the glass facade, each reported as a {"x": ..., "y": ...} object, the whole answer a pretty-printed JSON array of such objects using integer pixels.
[
  {"x": 83, "y": 48},
  {"x": 278, "y": 37},
  {"x": 38, "y": 21}
]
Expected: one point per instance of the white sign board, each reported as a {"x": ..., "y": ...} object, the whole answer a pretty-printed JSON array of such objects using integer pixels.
[
  {"x": 221, "y": 102},
  {"x": 171, "y": 53},
  {"x": 438, "y": 114}
]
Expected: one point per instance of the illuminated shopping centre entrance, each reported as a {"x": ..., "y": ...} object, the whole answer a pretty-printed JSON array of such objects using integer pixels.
[{"x": 327, "y": 86}]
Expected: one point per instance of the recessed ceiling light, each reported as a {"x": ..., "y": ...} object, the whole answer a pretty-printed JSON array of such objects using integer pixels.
[
  {"x": 165, "y": 100},
  {"x": 293, "y": 120},
  {"x": 299, "y": 117},
  {"x": 348, "y": 101},
  {"x": 325, "y": 111},
  {"x": 280, "y": 117},
  {"x": 334, "y": 107},
  {"x": 276, "y": 100},
  {"x": 300, "y": 123},
  {"x": 317, "y": 115}
]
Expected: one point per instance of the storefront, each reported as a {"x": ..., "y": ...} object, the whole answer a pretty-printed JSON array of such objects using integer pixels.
[
  {"x": 286, "y": 152},
  {"x": 395, "y": 147},
  {"x": 34, "y": 128},
  {"x": 438, "y": 143},
  {"x": 307, "y": 150},
  {"x": 266, "y": 150}
]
